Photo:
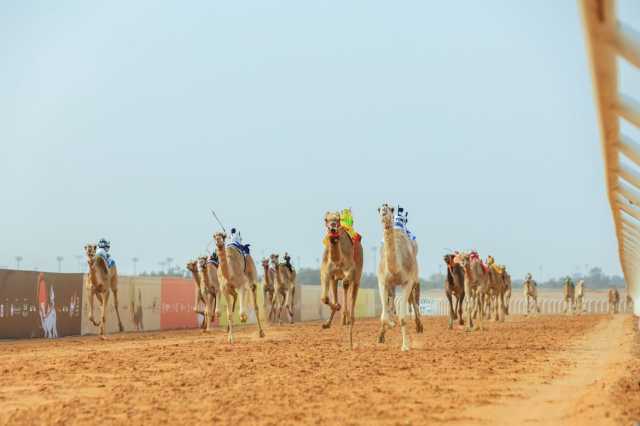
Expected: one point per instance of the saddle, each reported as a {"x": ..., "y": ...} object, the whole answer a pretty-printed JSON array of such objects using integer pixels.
[
  {"x": 110, "y": 262},
  {"x": 213, "y": 259},
  {"x": 243, "y": 249}
]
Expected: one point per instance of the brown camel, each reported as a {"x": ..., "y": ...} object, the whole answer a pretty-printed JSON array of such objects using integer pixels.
[
  {"x": 454, "y": 286},
  {"x": 629, "y": 303},
  {"x": 342, "y": 260},
  {"x": 530, "y": 290},
  {"x": 614, "y": 300},
  {"x": 497, "y": 288},
  {"x": 569, "y": 296},
  {"x": 580, "y": 291},
  {"x": 285, "y": 288},
  {"x": 397, "y": 269},
  {"x": 192, "y": 266},
  {"x": 101, "y": 280},
  {"x": 506, "y": 279},
  {"x": 476, "y": 278},
  {"x": 210, "y": 289},
  {"x": 238, "y": 279},
  {"x": 268, "y": 289}
]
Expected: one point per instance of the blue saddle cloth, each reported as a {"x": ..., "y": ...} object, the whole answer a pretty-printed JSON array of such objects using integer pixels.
[
  {"x": 400, "y": 225},
  {"x": 107, "y": 259},
  {"x": 213, "y": 259},
  {"x": 242, "y": 248}
]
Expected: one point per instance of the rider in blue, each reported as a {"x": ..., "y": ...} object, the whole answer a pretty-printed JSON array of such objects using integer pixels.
[
  {"x": 400, "y": 222},
  {"x": 236, "y": 241},
  {"x": 103, "y": 251}
]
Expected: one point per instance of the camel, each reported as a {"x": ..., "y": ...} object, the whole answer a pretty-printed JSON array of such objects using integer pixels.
[
  {"x": 506, "y": 278},
  {"x": 579, "y": 295},
  {"x": 238, "y": 279},
  {"x": 135, "y": 311},
  {"x": 569, "y": 296},
  {"x": 342, "y": 260},
  {"x": 101, "y": 279},
  {"x": 210, "y": 289},
  {"x": 268, "y": 289},
  {"x": 497, "y": 288},
  {"x": 192, "y": 266},
  {"x": 614, "y": 300},
  {"x": 629, "y": 303},
  {"x": 476, "y": 279},
  {"x": 454, "y": 286},
  {"x": 530, "y": 290},
  {"x": 285, "y": 288},
  {"x": 397, "y": 269}
]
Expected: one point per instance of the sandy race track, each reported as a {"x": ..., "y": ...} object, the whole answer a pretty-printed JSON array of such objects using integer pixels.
[{"x": 541, "y": 370}]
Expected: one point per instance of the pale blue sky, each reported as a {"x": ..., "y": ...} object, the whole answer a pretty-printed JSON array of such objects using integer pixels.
[{"x": 130, "y": 120}]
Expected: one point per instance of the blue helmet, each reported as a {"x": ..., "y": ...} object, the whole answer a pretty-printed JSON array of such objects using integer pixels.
[{"x": 104, "y": 244}]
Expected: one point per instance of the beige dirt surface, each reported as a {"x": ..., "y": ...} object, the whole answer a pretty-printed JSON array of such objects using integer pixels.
[{"x": 582, "y": 370}]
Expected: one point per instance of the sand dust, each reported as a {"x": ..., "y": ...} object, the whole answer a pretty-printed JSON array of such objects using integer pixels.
[{"x": 541, "y": 370}]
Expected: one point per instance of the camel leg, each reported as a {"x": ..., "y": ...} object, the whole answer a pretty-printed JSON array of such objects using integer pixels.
[
  {"x": 242, "y": 294},
  {"x": 402, "y": 311},
  {"x": 230, "y": 306},
  {"x": 501, "y": 307},
  {"x": 208, "y": 311},
  {"x": 287, "y": 303},
  {"x": 353, "y": 296},
  {"x": 459, "y": 305},
  {"x": 115, "y": 305},
  {"x": 92, "y": 294},
  {"x": 384, "y": 317},
  {"x": 105, "y": 301},
  {"x": 415, "y": 296},
  {"x": 333, "y": 286},
  {"x": 291, "y": 301},
  {"x": 345, "y": 298},
  {"x": 451, "y": 312},
  {"x": 254, "y": 294}
]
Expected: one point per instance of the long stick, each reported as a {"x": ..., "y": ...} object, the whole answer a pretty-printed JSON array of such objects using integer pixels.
[{"x": 218, "y": 220}]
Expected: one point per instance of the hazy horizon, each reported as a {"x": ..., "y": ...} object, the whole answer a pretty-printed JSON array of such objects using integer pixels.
[{"x": 132, "y": 121}]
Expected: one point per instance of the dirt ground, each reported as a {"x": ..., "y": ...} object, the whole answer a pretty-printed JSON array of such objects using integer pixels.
[{"x": 541, "y": 370}]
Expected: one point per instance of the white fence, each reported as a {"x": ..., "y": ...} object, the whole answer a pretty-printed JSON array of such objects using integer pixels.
[{"x": 608, "y": 40}]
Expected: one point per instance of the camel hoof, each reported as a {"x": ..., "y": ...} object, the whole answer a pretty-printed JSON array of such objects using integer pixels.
[
  {"x": 230, "y": 339},
  {"x": 381, "y": 339},
  {"x": 420, "y": 329},
  {"x": 121, "y": 328},
  {"x": 103, "y": 337},
  {"x": 325, "y": 326},
  {"x": 405, "y": 348},
  {"x": 261, "y": 333}
]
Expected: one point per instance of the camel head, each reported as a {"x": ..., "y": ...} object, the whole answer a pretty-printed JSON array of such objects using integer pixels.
[
  {"x": 332, "y": 223},
  {"x": 202, "y": 263},
  {"x": 192, "y": 266},
  {"x": 219, "y": 238},
  {"x": 275, "y": 260},
  {"x": 265, "y": 263},
  {"x": 386, "y": 215},
  {"x": 448, "y": 259},
  {"x": 90, "y": 251},
  {"x": 490, "y": 260},
  {"x": 463, "y": 259}
]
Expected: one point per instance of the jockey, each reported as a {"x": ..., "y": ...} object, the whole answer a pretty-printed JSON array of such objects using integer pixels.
[
  {"x": 103, "y": 251},
  {"x": 236, "y": 241},
  {"x": 400, "y": 222},
  {"x": 287, "y": 261}
]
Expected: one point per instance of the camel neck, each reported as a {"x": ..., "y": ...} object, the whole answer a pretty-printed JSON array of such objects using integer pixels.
[
  {"x": 92, "y": 273},
  {"x": 390, "y": 259},
  {"x": 205, "y": 276},
  {"x": 334, "y": 251},
  {"x": 267, "y": 277},
  {"x": 224, "y": 262},
  {"x": 196, "y": 278}
]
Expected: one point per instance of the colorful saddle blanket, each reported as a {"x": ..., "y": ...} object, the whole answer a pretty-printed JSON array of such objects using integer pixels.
[
  {"x": 355, "y": 237},
  {"x": 242, "y": 248},
  {"x": 213, "y": 259},
  {"x": 399, "y": 224},
  {"x": 101, "y": 253}
]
